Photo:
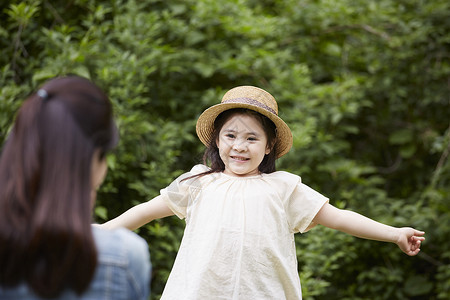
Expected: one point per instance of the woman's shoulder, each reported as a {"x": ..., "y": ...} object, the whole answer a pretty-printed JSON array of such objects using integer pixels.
[
  {"x": 119, "y": 233},
  {"x": 119, "y": 243},
  {"x": 124, "y": 254}
]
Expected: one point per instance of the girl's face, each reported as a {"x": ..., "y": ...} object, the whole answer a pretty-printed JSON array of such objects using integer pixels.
[{"x": 242, "y": 145}]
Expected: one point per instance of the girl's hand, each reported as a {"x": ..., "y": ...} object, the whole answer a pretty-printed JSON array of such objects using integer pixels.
[{"x": 409, "y": 240}]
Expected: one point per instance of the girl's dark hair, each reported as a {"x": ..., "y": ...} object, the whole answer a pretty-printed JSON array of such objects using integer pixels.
[
  {"x": 212, "y": 156},
  {"x": 45, "y": 178}
]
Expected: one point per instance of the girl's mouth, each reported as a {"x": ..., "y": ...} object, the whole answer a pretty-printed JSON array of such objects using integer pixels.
[{"x": 240, "y": 158}]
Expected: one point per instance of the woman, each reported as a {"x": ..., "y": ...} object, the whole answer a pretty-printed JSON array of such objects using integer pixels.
[{"x": 50, "y": 168}]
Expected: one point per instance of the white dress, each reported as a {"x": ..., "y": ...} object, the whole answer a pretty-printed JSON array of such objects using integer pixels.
[{"x": 239, "y": 236}]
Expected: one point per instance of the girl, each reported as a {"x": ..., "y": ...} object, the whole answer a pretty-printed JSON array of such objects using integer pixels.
[
  {"x": 241, "y": 215},
  {"x": 50, "y": 169}
]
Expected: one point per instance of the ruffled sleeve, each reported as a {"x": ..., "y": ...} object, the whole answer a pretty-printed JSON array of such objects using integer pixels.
[
  {"x": 301, "y": 202},
  {"x": 183, "y": 190}
]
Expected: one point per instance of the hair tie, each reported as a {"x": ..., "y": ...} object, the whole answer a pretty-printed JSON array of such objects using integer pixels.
[{"x": 42, "y": 94}]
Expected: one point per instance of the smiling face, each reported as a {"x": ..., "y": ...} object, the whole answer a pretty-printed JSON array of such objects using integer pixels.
[{"x": 242, "y": 145}]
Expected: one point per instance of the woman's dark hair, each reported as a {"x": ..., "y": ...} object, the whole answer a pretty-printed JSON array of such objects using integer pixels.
[
  {"x": 212, "y": 156},
  {"x": 45, "y": 178}
]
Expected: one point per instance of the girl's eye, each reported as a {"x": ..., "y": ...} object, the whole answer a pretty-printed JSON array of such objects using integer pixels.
[
  {"x": 252, "y": 139},
  {"x": 229, "y": 135}
]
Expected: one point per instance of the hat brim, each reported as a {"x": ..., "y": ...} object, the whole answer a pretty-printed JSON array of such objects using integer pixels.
[{"x": 205, "y": 125}]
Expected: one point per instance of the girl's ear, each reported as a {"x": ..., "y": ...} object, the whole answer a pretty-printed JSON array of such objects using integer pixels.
[{"x": 269, "y": 149}]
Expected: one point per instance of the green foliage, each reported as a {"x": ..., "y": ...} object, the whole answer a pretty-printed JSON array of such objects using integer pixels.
[{"x": 362, "y": 84}]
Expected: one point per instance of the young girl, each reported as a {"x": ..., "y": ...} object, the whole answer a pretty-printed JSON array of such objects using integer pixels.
[{"x": 241, "y": 215}]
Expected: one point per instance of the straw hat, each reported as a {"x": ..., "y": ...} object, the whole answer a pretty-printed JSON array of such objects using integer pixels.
[{"x": 252, "y": 98}]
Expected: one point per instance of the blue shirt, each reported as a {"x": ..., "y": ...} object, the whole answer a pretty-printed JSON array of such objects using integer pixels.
[{"x": 123, "y": 270}]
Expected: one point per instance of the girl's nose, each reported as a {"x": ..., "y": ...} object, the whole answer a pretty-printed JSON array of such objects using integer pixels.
[{"x": 239, "y": 145}]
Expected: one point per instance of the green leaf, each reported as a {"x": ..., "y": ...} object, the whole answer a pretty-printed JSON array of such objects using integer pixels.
[
  {"x": 417, "y": 285},
  {"x": 401, "y": 137}
]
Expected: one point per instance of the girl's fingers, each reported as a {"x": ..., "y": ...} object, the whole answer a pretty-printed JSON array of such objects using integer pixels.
[{"x": 418, "y": 232}]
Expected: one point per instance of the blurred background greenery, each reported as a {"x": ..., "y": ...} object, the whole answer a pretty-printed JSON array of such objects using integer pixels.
[{"x": 364, "y": 86}]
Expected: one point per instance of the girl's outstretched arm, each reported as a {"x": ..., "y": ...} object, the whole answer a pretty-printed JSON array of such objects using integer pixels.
[
  {"x": 407, "y": 239},
  {"x": 140, "y": 215}
]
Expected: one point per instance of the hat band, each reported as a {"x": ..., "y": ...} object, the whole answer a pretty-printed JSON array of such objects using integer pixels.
[{"x": 251, "y": 102}]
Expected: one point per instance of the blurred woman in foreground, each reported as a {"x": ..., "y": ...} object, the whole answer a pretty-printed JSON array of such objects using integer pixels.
[{"x": 51, "y": 166}]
